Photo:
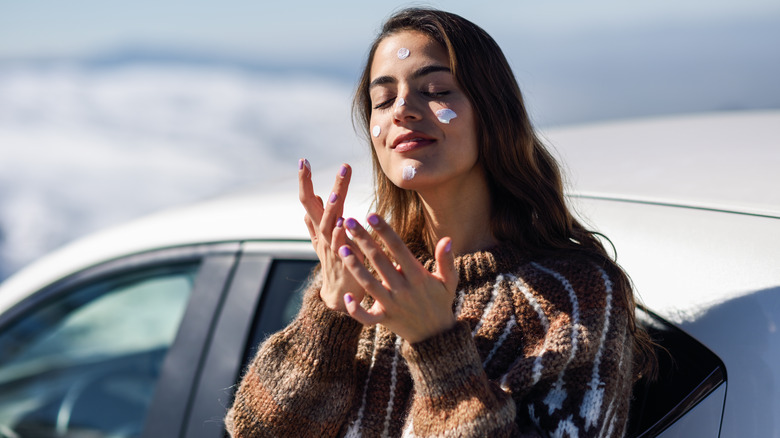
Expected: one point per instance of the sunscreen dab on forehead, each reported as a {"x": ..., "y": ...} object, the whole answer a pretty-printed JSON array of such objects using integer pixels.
[
  {"x": 409, "y": 173},
  {"x": 403, "y": 53},
  {"x": 445, "y": 115}
]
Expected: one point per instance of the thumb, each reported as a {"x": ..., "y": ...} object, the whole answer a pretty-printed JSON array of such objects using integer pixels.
[{"x": 445, "y": 264}]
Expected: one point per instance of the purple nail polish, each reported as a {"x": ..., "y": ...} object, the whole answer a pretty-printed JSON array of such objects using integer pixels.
[
  {"x": 448, "y": 247},
  {"x": 351, "y": 223},
  {"x": 344, "y": 251},
  {"x": 373, "y": 219},
  {"x": 343, "y": 170},
  {"x": 306, "y": 163},
  {"x": 333, "y": 198},
  {"x": 348, "y": 298},
  {"x": 340, "y": 222},
  {"x": 300, "y": 164}
]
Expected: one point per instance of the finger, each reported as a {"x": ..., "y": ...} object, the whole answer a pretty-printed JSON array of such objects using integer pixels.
[
  {"x": 371, "y": 285},
  {"x": 339, "y": 237},
  {"x": 306, "y": 194},
  {"x": 360, "y": 314},
  {"x": 334, "y": 208},
  {"x": 310, "y": 227},
  {"x": 371, "y": 249},
  {"x": 445, "y": 264},
  {"x": 395, "y": 245}
]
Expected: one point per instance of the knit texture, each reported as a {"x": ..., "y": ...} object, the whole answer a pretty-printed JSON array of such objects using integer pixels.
[{"x": 541, "y": 348}]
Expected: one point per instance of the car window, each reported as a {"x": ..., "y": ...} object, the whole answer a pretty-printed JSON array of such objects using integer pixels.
[
  {"x": 281, "y": 299},
  {"x": 94, "y": 348},
  {"x": 687, "y": 373}
]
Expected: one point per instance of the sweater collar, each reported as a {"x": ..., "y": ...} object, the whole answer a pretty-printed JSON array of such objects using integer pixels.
[{"x": 481, "y": 265}]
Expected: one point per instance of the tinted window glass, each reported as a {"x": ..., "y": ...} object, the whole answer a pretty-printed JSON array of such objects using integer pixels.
[
  {"x": 86, "y": 363},
  {"x": 687, "y": 373},
  {"x": 282, "y": 297}
]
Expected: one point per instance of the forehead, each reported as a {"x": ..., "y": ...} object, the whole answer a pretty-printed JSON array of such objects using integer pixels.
[{"x": 423, "y": 50}]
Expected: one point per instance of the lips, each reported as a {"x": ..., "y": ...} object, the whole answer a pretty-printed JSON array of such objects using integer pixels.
[{"x": 410, "y": 141}]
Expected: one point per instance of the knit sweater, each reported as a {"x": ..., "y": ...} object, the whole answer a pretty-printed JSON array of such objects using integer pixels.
[{"x": 541, "y": 348}]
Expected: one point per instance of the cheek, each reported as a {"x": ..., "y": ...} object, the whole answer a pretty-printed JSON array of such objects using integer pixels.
[
  {"x": 377, "y": 134},
  {"x": 377, "y": 130},
  {"x": 464, "y": 127}
]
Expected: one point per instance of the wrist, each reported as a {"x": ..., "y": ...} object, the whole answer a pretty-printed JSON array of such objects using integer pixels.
[
  {"x": 434, "y": 329},
  {"x": 332, "y": 301}
]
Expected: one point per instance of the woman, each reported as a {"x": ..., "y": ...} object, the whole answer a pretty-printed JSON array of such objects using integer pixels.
[{"x": 477, "y": 305}]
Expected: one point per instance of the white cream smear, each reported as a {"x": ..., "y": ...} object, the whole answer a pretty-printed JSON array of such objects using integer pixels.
[
  {"x": 401, "y": 101},
  {"x": 445, "y": 115},
  {"x": 376, "y": 130},
  {"x": 409, "y": 173},
  {"x": 403, "y": 53}
]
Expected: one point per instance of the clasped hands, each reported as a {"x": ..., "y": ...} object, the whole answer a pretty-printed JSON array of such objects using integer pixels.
[{"x": 409, "y": 300}]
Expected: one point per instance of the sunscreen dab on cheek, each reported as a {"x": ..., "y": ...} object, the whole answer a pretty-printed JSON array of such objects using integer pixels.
[
  {"x": 445, "y": 115},
  {"x": 376, "y": 131}
]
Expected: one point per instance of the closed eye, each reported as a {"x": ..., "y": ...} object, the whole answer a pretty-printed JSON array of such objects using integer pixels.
[
  {"x": 435, "y": 94},
  {"x": 385, "y": 104}
]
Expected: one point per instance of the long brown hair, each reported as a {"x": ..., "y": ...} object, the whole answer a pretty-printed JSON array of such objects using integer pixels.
[{"x": 528, "y": 206}]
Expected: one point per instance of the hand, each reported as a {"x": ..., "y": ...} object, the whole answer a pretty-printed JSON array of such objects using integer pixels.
[
  {"x": 327, "y": 235},
  {"x": 410, "y": 301}
]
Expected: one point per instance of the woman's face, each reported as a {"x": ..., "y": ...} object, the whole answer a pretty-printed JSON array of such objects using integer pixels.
[{"x": 422, "y": 124}]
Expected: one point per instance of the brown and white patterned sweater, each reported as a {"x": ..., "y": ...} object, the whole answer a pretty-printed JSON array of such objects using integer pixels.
[{"x": 542, "y": 348}]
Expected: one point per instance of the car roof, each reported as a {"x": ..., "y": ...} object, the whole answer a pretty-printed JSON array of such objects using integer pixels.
[
  {"x": 724, "y": 161},
  {"x": 720, "y": 161}
]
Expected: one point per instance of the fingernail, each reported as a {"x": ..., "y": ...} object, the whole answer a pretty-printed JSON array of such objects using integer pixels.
[
  {"x": 348, "y": 298},
  {"x": 306, "y": 163},
  {"x": 333, "y": 198},
  {"x": 448, "y": 247},
  {"x": 351, "y": 223},
  {"x": 343, "y": 170},
  {"x": 340, "y": 222},
  {"x": 300, "y": 164},
  {"x": 344, "y": 251},
  {"x": 373, "y": 219}
]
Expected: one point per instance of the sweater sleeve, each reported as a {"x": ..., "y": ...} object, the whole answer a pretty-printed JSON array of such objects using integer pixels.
[
  {"x": 301, "y": 381},
  {"x": 570, "y": 377},
  {"x": 453, "y": 396}
]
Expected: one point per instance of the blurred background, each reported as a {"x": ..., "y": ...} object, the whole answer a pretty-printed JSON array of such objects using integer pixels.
[{"x": 111, "y": 110}]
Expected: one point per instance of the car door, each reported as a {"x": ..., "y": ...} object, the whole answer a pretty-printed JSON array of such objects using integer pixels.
[
  {"x": 263, "y": 297},
  {"x": 106, "y": 351}
]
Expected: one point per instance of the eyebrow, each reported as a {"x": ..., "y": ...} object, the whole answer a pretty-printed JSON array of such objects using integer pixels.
[{"x": 382, "y": 80}]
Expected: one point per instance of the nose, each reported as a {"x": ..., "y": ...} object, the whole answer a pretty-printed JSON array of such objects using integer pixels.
[{"x": 405, "y": 109}]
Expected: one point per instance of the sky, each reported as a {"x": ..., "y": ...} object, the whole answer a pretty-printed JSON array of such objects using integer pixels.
[
  {"x": 669, "y": 54},
  {"x": 294, "y": 29}
]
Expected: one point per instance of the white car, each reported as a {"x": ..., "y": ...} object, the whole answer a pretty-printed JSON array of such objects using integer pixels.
[{"x": 143, "y": 330}]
